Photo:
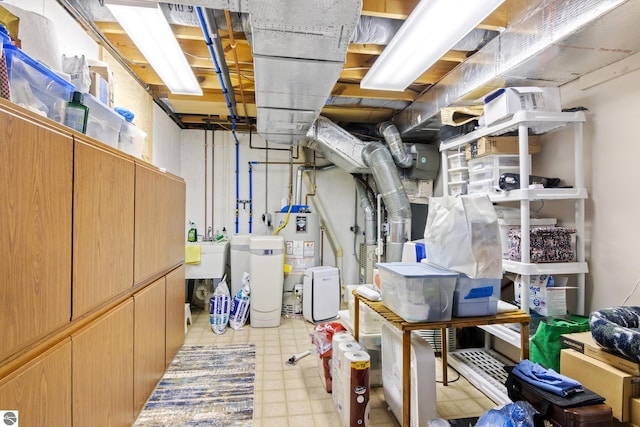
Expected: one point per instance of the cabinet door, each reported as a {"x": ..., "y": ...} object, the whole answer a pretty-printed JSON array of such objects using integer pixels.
[
  {"x": 175, "y": 313},
  {"x": 149, "y": 340},
  {"x": 103, "y": 370},
  {"x": 102, "y": 226},
  {"x": 35, "y": 230},
  {"x": 41, "y": 390},
  {"x": 159, "y": 222}
]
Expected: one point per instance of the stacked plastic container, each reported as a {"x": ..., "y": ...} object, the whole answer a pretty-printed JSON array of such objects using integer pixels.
[
  {"x": 484, "y": 172},
  {"x": 104, "y": 123},
  {"x": 458, "y": 173},
  {"x": 417, "y": 292},
  {"x": 36, "y": 87}
]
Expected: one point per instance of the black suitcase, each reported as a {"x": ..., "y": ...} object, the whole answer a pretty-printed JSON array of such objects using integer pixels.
[{"x": 586, "y": 409}]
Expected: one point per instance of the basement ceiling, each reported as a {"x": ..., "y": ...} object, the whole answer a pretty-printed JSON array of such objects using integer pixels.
[
  {"x": 347, "y": 104},
  {"x": 278, "y": 79}
]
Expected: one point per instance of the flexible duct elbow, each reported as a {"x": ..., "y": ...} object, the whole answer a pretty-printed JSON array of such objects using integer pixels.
[
  {"x": 384, "y": 172},
  {"x": 370, "y": 228},
  {"x": 392, "y": 137}
]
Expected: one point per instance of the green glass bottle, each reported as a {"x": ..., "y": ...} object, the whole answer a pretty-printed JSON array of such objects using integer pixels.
[{"x": 77, "y": 114}]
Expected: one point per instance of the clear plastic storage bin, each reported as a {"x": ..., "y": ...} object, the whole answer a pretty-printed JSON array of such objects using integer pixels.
[
  {"x": 458, "y": 174},
  {"x": 489, "y": 168},
  {"x": 417, "y": 292},
  {"x": 457, "y": 160},
  {"x": 36, "y": 87},
  {"x": 457, "y": 187},
  {"x": 104, "y": 123},
  {"x": 132, "y": 139},
  {"x": 475, "y": 297}
]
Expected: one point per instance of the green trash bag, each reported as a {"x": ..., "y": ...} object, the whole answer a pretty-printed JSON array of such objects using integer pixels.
[{"x": 546, "y": 342}]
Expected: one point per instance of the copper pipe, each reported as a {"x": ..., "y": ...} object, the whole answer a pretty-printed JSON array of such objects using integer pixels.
[
  {"x": 232, "y": 43},
  {"x": 204, "y": 231}
]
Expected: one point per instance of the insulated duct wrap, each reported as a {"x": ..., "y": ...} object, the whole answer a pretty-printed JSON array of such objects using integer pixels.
[
  {"x": 336, "y": 145},
  {"x": 393, "y": 140},
  {"x": 370, "y": 228},
  {"x": 550, "y": 43},
  {"x": 384, "y": 172}
]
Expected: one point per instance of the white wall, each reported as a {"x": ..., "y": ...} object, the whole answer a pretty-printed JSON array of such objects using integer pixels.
[
  {"x": 612, "y": 148},
  {"x": 270, "y": 186},
  {"x": 167, "y": 151}
]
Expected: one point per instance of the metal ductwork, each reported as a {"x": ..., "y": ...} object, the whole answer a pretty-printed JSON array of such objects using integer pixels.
[
  {"x": 336, "y": 145},
  {"x": 550, "y": 43},
  {"x": 355, "y": 156},
  {"x": 385, "y": 174},
  {"x": 391, "y": 136},
  {"x": 370, "y": 226},
  {"x": 299, "y": 49}
]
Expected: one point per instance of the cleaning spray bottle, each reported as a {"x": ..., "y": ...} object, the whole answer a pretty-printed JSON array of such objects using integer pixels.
[{"x": 192, "y": 235}]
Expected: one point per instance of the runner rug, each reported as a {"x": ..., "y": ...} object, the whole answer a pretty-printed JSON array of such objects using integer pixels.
[{"x": 207, "y": 385}]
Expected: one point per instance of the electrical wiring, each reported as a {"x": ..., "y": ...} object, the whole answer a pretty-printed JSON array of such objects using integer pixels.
[{"x": 635, "y": 287}]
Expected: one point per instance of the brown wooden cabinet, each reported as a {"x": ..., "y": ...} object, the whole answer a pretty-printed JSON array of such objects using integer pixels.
[
  {"x": 35, "y": 229},
  {"x": 103, "y": 226},
  {"x": 41, "y": 389},
  {"x": 149, "y": 340},
  {"x": 174, "y": 313},
  {"x": 159, "y": 222},
  {"x": 103, "y": 370},
  {"x": 87, "y": 234}
]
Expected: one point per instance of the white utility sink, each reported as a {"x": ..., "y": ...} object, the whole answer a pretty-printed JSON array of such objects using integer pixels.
[{"x": 214, "y": 256}]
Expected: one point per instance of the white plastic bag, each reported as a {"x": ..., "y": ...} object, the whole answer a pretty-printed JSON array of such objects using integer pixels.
[
  {"x": 219, "y": 307},
  {"x": 462, "y": 234},
  {"x": 240, "y": 304}
]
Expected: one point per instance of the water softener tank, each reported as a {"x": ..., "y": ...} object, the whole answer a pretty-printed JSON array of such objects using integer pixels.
[
  {"x": 302, "y": 241},
  {"x": 266, "y": 270},
  {"x": 239, "y": 254}
]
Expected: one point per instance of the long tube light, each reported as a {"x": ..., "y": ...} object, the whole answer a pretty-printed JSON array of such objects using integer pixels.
[
  {"x": 432, "y": 29},
  {"x": 147, "y": 26}
]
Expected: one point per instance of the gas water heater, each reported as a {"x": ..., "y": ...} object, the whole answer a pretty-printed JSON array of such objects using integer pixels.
[{"x": 302, "y": 250}]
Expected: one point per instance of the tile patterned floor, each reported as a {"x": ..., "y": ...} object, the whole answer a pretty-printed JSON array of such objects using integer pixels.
[{"x": 293, "y": 396}]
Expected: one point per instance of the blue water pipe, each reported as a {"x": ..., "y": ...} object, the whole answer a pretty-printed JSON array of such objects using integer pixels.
[{"x": 205, "y": 31}]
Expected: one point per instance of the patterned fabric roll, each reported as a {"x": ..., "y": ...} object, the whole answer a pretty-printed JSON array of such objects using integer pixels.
[{"x": 616, "y": 329}]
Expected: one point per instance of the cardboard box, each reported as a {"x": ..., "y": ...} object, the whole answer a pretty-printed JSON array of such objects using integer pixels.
[
  {"x": 102, "y": 82},
  {"x": 635, "y": 411},
  {"x": 543, "y": 300},
  {"x": 583, "y": 342},
  {"x": 616, "y": 386},
  {"x": 499, "y": 145},
  {"x": 503, "y": 103}
]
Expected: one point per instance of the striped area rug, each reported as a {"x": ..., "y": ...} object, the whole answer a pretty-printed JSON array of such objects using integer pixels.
[{"x": 208, "y": 385}]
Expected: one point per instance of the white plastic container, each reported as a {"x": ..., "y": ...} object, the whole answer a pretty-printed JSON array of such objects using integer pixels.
[
  {"x": 372, "y": 344},
  {"x": 266, "y": 271},
  {"x": 475, "y": 297},
  {"x": 132, "y": 139},
  {"x": 239, "y": 259},
  {"x": 457, "y": 188},
  {"x": 370, "y": 321},
  {"x": 457, "y": 159},
  {"x": 104, "y": 123},
  {"x": 417, "y": 292},
  {"x": 423, "y": 376}
]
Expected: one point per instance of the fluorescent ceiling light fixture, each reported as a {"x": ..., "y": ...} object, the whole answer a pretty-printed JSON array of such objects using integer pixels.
[
  {"x": 432, "y": 29},
  {"x": 147, "y": 26}
]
